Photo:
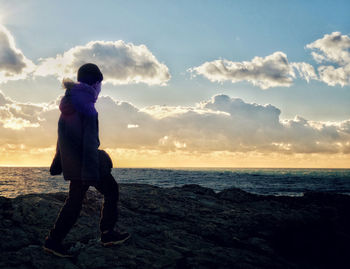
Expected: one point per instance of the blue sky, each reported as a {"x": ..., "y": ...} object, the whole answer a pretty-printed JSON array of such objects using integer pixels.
[{"x": 185, "y": 35}]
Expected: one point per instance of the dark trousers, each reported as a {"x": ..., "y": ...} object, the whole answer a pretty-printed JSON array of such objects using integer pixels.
[{"x": 71, "y": 209}]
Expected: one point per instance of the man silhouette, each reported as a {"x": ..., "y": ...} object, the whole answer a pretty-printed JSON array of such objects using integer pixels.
[{"x": 78, "y": 157}]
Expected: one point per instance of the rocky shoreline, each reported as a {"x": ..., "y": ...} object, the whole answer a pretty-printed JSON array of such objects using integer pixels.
[{"x": 185, "y": 227}]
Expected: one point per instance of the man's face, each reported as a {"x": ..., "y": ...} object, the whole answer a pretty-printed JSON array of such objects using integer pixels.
[{"x": 97, "y": 87}]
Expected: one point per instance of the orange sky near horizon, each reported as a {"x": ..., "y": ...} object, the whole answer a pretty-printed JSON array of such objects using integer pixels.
[{"x": 124, "y": 158}]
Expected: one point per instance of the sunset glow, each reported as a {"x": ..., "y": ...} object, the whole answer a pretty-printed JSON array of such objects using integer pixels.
[{"x": 198, "y": 93}]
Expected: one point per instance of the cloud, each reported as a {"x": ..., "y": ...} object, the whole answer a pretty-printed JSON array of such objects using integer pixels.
[
  {"x": 335, "y": 75},
  {"x": 27, "y": 124},
  {"x": 333, "y": 48},
  {"x": 306, "y": 71},
  {"x": 222, "y": 124},
  {"x": 219, "y": 124},
  {"x": 274, "y": 70},
  {"x": 13, "y": 64},
  {"x": 120, "y": 63},
  {"x": 18, "y": 116},
  {"x": 271, "y": 71},
  {"x": 125, "y": 63}
]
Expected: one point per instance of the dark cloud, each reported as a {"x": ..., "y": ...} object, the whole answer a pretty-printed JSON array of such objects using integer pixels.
[{"x": 13, "y": 64}]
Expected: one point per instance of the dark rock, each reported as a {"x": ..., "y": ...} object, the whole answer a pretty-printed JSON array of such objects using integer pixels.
[
  {"x": 184, "y": 227},
  {"x": 237, "y": 195},
  {"x": 198, "y": 189}
]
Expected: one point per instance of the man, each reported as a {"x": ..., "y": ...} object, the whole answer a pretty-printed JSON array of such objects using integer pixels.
[{"x": 78, "y": 157}]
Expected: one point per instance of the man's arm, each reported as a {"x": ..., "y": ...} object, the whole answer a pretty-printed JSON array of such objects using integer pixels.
[
  {"x": 90, "y": 159},
  {"x": 56, "y": 166}
]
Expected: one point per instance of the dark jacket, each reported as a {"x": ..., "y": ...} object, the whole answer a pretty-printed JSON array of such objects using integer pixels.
[{"x": 77, "y": 152}]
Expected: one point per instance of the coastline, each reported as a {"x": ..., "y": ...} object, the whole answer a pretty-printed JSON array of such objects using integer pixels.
[
  {"x": 285, "y": 182},
  {"x": 185, "y": 227}
]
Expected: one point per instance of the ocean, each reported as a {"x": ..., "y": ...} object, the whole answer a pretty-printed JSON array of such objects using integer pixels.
[{"x": 16, "y": 181}]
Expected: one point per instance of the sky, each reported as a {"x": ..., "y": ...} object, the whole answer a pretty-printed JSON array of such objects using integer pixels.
[{"x": 186, "y": 83}]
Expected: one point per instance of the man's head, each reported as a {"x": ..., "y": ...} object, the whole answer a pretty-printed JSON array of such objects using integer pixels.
[{"x": 90, "y": 74}]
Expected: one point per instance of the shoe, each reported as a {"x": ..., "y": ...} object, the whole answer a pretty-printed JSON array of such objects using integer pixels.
[
  {"x": 56, "y": 248},
  {"x": 113, "y": 238}
]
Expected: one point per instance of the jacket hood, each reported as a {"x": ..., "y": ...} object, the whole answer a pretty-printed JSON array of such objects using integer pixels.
[{"x": 79, "y": 97}]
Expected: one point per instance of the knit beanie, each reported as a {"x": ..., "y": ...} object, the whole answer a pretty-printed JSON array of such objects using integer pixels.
[{"x": 90, "y": 74}]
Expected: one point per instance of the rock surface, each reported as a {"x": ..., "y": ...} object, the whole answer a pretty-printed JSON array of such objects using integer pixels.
[{"x": 184, "y": 227}]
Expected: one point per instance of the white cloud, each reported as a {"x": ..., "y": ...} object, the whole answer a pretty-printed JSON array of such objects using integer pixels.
[
  {"x": 13, "y": 64},
  {"x": 306, "y": 71},
  {"x": 219, "y": 124},
  {"x": 335, "y": 49},
  {"x": 271, "y": 71},
  {"x": 18, "y": 116},
  {"x": 335, "y": 75},
  {"x": 21, "y": 116},
  {"x": 120, "y": 63},
  {"x": 332, "y": 47},
  {"x": 161, "y": 112},
  {"x": 275, "y": 70},
  {"x": 133, "y": 126},
  {"x": 17, "y": 123}
]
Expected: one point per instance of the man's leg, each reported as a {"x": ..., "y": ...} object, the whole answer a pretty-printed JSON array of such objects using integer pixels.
[
  {"x": 109, "y": 212},
  {"x": 69, "y": 212}
]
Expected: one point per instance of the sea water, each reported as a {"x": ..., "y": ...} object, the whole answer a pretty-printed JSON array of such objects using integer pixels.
[{"x": 16, "y": 181}]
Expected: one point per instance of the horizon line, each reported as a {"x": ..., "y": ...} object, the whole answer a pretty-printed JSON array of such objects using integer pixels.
[{"x": 184, "y": 167}]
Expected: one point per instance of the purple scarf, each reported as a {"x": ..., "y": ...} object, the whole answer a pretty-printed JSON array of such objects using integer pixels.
[{"x": 82, "y": 96}]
